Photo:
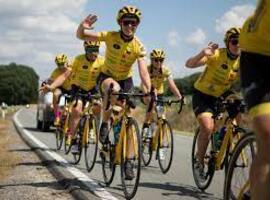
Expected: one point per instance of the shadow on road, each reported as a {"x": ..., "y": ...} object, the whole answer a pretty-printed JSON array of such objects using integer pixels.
[{"x": 175, "y": 189}]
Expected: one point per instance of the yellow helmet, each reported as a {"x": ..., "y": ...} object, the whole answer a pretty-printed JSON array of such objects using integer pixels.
[
  {"x": 232, "y": 32},
  {"x": 129, "y": 11},
  {"x": 157, "y": 53},
  {"x": 61, "y": 59},
  {"x": 91, "y": 44}
]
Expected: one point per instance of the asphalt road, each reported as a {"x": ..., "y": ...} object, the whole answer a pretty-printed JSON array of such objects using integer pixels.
[{"x": 178, "y": 183}]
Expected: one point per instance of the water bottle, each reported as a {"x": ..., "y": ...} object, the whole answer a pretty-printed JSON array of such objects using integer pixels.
[
  {"x": 217, "y": 142},
  {"x": 116, "y": 131},
  {"x": 222, "y": 133}
]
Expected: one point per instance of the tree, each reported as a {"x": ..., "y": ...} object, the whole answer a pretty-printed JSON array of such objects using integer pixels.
[{"x": 18, "y": 84}]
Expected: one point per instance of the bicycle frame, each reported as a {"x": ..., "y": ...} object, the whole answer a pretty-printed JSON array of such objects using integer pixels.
[{"x": 123, "y": 139}]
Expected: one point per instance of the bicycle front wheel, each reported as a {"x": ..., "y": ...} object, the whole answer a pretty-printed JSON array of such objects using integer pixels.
[
  {"x": 209, "y": 165},
  {"x": 91, "y": 146},
  {"x": 165, "y": 147},
  {"x": 146, "y": 148},
  {"x": 59, "y": 136},
  {"x": 237, "y": 179},
  {"x": 130, "y": 185}
]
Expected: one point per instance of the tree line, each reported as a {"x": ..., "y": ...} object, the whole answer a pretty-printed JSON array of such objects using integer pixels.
[{"x": 18, "y": 84}]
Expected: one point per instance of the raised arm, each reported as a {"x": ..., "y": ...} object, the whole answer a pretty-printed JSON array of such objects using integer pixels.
[
  {"x": 84, "y": 29},
  {"x": 144, "y": 75},
  {"x": 201, "y": 58}
]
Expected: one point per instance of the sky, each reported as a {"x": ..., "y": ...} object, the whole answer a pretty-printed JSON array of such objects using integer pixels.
[{"x": 34, "y": 31}]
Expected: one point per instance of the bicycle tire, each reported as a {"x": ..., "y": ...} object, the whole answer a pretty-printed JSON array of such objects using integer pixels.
[
  {"x": 91, "y": 141},
  {"x": 146, "y": 149},
  {"x": 163, "y": 167},
  {"x": 129, "y": 194},
  {"x": 108, "y": 166},
  {"x": 246, "y": 140},
  {"x": 210, "y": 166}
]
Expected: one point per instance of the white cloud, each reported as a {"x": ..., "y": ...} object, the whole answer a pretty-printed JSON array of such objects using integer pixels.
[
  {"x": 173, "y": 38},
  {"x": 34, "y": 31},
  {"x": 196, "y": 38},
  {"x": 234, "y": 17}
]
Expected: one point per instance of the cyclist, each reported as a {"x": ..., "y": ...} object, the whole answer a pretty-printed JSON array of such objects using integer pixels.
[
  {"x": 254, "y": 64},
  {"x": 84, "y": 72},
  {"x": 221, "y": 71},
  {"x": 61, "y": 61},
  {"x": 123, "y": 48},
  {"x": 159, "y": 73}
]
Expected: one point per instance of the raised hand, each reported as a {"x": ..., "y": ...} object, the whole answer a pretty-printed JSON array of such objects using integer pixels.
[
  {"x": 210, "y": 49},
  {"x": 89, "y": 21}
]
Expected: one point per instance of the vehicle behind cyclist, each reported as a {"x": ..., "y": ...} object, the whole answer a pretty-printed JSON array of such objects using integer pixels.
[{"x": 84, "y": 72}]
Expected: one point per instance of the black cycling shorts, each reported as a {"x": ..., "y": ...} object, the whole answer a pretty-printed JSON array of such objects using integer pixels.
[{"x": 255, "y": 78}]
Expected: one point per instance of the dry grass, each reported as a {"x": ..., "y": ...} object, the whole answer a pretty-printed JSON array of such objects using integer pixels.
[
  {"x": 8, "y": 159},
  {"x": 186, "y": 121}
]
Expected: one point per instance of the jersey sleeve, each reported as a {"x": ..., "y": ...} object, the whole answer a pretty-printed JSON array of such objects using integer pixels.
[
  {"x": 103, "y": 36},
  {"x": 141, "y": 51},
  {"x": 168, "y": 73}
]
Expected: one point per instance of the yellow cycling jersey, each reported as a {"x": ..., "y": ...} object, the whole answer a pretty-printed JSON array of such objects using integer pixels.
[
  {"x": 220, "y": 73},
  {"x": 120, "y": 55},
  {"x": 255, "y": 34},
  {"x": 85, "y": 73},
  {"x": 158, "y": 77},
  {"x": 57, "y": 72}
]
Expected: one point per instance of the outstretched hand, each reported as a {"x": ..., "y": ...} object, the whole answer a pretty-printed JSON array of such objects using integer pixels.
[{"x": 44, "y": 89}]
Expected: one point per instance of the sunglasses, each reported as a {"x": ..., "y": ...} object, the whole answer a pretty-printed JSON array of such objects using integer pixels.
[
  {"x": 60, "y": 65},
  {"x": 92, "y": 50},
  {"x": 158, "y": 59},
  {"x": 234, "y": 41},
  {"x": 130, "y": 22}
]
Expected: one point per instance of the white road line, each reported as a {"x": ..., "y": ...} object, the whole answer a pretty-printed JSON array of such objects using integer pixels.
[{"x": 91, "y": 184}]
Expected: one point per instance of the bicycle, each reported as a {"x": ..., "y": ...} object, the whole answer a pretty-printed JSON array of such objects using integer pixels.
[
  {"x": 59, "y": 132},
  {"x": 237, "y": 185},
  {"x": 115, "y": 151},
  {"x": 160, "y": 138},
  {"x": 86, "y": 133},
  {"x": 216, "y": 158}
]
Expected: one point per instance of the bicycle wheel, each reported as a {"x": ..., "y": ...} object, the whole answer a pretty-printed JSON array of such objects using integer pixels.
[
  {"x": 237, "y": 135},
  {"x": 130, "y": 186},
  {"x": 237, "y": 178},
  {"x": 59, "y": 136},
  {"x": 78, "y": 134},
  {"x": 91, "y": 146},
  {"x": 209, "y": 165},
  {"x": 146, "y": 148},
  {"x": 108, "y": 166},
  {"x": 165, "y": 160}
]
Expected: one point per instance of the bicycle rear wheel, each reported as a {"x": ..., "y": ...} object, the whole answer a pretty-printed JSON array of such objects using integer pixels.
[
  {"x": 237, "y": 178},
  {"x": 91, "y": 146},
  {"x": 209, "y": 164},
  {"x": 146, "y": 148},
  {"x": 165, "y": 160},
  {"x": 108, "y": 166},
  {"x": 130, "y": 186}
]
